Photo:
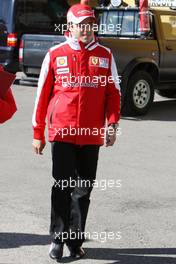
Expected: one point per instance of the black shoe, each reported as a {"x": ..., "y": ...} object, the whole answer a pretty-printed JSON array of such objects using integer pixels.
[
  {"x": 76, "y": 252},
  {"x": 56, "y": 250}
]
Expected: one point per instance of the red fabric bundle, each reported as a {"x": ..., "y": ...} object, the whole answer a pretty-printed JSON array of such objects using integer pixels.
[{"x": 7, "y": 102}]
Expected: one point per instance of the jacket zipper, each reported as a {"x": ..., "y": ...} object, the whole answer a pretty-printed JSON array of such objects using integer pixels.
[
  {"x": 51, "y": 115},
  {"x": 77, "y": 75},
  {"x": 74, "y": 65}
]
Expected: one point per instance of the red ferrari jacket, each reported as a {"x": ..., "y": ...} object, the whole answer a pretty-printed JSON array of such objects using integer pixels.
[
  {"x": 7, "y": 107},
  {"x": 78, "y": 90}
]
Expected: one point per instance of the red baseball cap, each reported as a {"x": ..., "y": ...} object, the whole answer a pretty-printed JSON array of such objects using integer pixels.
[{"x": 77, "y": 13}]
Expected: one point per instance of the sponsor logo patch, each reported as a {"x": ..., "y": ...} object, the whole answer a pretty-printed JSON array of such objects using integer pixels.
[
  {"x": 85, "y": 12},
  {"x": 62, "y": 70},
  {"x": 104, "y": 63},
  {"x": 61, "y": 61},
  {"x": 99, "y": 62}
]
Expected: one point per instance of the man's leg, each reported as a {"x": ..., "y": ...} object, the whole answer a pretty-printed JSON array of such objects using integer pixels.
[
  {"x": 86, "y": 166},
  {"x": 63, "y": 167}
]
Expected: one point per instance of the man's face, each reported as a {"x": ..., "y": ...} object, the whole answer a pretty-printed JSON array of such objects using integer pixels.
[{"x": 83, "y": 31}]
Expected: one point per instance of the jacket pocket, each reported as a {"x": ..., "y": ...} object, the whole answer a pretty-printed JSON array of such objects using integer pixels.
[{"x": 53, "y": 110}]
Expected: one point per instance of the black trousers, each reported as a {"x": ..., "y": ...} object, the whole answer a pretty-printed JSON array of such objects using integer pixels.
[{"x": 74, "y": 171}]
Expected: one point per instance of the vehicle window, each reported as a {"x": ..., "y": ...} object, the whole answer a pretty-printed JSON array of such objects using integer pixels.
[
  {"x": 119, "y": 23},
  {"x": 5, "y": 10},
  {"x": 41, "y": 16},
  {"x": 169, "y": 26}
]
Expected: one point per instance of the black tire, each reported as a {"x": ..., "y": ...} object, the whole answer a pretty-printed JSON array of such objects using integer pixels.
[
  {"x": 167, "y": 93},
  {"x": 136, "y": 102}
]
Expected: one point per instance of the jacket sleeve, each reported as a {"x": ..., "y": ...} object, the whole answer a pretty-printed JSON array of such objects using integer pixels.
[
  {"x": 45, "y": 86},
  {"x": 113, "y": 94},
  {"x": 7, "y": 107}
]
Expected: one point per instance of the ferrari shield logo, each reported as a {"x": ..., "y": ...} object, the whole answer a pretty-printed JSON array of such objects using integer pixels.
[{"x": 94, "y": 61}]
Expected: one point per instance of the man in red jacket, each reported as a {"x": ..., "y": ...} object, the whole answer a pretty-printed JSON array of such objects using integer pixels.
[{"x": 78, "y": 91}]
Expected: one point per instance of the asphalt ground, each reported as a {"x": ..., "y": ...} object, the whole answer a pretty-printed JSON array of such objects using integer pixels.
[{"x": 143, "y": 209}]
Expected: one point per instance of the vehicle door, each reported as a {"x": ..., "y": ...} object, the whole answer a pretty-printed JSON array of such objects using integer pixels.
[{"x": 168, "y": 51}]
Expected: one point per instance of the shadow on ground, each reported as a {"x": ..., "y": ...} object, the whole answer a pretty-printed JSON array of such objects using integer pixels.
[
  {"x": 123, "y": 256},
  {"x": 133, "y": 256},
  {"x": 160, "y": 111},
  {"x": 15, "y": 240}
]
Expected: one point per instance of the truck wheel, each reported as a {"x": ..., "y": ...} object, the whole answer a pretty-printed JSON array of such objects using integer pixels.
[
  {"x": 139, "y": 94},
  {"x": 167, "y": 93}
]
